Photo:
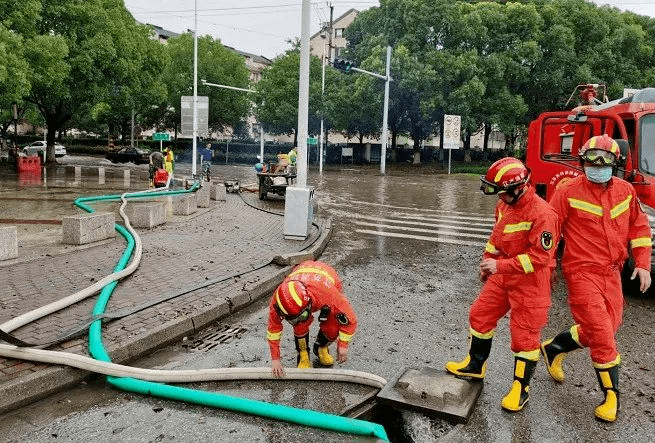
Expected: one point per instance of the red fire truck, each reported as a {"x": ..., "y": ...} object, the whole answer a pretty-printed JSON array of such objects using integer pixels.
[{"x": 554, "y": 139}]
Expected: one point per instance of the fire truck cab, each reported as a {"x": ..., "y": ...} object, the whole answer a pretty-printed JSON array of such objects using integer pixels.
[{"x": 555, "y": 138}]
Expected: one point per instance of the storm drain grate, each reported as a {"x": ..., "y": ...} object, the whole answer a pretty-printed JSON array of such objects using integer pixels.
[{"x": 214, "y": 337}]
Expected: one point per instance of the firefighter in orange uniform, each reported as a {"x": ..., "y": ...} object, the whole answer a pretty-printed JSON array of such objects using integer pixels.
[
  {"x": 516, "y": 268},
  {"x": 311, "y": 287},
  {"x": 600, "y": 218}
]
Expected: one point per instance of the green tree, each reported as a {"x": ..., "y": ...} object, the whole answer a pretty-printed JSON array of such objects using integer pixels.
[
  {"x": 14, "y": 82},
  {"x": 277, "y": 95},
  {"x": 216, "y": 64},
  {"x": 136, "y": 84}
]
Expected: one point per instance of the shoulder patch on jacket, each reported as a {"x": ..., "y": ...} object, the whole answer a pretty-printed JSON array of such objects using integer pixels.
[{"x": 547, "y": 240}]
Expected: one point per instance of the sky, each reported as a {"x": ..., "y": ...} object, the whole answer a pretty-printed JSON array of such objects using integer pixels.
[{"x": 262, "y": 27}]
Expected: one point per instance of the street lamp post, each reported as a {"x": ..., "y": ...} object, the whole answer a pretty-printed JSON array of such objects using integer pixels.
[
  {"x": 387, "y": 78},
  {"x": 195, "y": 91}
]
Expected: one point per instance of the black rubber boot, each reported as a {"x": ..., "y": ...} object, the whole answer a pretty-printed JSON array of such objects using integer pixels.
[
  {"x": 302, "y": 346},
  {"x": 475, "y": 363},
  {"x": 554, "y": 351},
  {"x": 519, "y": 394},
  {"x": 608, "y": 379},
  {"x": 321, "y": 349}
]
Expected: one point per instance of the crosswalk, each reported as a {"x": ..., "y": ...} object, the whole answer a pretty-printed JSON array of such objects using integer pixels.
[{"x": 420, "y": 224}]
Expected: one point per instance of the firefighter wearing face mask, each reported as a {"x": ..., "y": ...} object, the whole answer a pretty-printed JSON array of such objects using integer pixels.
[
  {"x": 516, "y": 268},
  {"x": 311, "y": 287},
  {"x": 600, "y": 220}
]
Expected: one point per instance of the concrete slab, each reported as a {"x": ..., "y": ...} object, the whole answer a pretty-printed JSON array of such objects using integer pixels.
[
  {"x": 8, "y": 242},
  {"x": 87, "y": 228},
  {"x": 185, "y": 204},
  {"x": 202, "y": 195},
  {"x": 432, "y": 392},
  {"x": 217, "y": 192},
  {"x": 146, "y": 214}
]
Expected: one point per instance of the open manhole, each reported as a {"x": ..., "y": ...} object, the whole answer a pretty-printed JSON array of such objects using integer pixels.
[
  {"x": 419, "y": 405},
  {"x": 212, "y": 337}
]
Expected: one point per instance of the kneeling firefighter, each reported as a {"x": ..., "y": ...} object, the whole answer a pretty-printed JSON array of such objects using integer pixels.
[
  {"x": 311, "y": 287},
  {"x": 516, "y": 267}
]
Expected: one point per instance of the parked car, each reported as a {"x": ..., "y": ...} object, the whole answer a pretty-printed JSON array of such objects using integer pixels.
[
  {"x": 39, "y": 146},
  {"x": 129, "y": 155}
]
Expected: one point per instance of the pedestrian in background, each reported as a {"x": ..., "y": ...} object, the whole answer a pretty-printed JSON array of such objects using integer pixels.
[
  {"x": 311, "y": 287},
  {"x": 601, "y": 219},
  {"x": 516, "y": 267},
  {"x": 169, "y": 161},
  {"x": 156, "y": 162}
]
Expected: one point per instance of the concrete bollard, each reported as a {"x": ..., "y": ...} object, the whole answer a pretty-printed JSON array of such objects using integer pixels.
[
  {"x": 202, "y": 195},
  {"x": 8, "y": 242},
  {"x": 217, "y": 192},
  {"x": 185, "y": 204},
  {"x": 146, "y": 214},
  {"x": 87, "y": 228}
]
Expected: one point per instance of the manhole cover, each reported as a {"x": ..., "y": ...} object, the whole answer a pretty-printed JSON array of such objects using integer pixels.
[{"x": 211, "y": 338}]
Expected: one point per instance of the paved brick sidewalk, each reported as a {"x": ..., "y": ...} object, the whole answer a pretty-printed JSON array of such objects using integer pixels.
[{"x": 218, "y": 260}]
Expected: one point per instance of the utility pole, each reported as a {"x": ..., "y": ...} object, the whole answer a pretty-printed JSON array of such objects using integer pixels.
[
  {"x": 330, "y": 30},
  {"x": 195, "y": 91}
]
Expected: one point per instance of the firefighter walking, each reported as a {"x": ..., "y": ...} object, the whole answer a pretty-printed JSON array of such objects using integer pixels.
[
  {"x": 600, "y": 220},
  {"x": 516, "y": 268},
  {"x": 311, "y": 287}
]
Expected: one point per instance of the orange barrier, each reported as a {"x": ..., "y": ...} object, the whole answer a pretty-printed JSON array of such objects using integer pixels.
[{"x": 29, "y": 164}]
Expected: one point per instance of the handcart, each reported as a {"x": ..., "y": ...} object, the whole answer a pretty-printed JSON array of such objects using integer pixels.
[{"x": 274, "y": 182}]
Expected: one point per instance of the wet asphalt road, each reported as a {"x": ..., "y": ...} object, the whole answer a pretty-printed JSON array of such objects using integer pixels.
[{"x": 407, "y": 246}]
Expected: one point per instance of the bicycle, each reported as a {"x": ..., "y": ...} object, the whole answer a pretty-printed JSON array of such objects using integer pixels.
[{"x": 206, "y": 170}]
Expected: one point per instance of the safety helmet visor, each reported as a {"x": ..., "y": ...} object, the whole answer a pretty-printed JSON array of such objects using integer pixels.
[
  {"x": 489, "y": 188},
  {"x": 599, "y": 157},
  {"x": 304, "y": 315}
]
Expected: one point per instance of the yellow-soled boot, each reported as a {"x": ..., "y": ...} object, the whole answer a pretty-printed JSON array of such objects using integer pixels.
[
  {"x": 474, "y": 364},
  {"x": 608, "y": 378},
  {"x": 555, "y": 349},
  {"x": 519, "y": 393},
  {"x": 302, "y": 346},
  {"x": 322, "y": 351}
]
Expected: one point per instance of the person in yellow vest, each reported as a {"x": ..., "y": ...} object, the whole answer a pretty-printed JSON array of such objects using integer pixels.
[
  {"x": 293, "y": 156},
  {"x": 169, "y": 161}
]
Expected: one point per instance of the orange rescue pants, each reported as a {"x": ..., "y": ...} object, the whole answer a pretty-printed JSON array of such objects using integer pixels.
[
  {"x": 596, "y": 301},
  {"x": 528, "y": 298}
]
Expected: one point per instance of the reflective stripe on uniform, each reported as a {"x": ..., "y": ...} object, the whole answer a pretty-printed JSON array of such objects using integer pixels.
[
  {"x": 640, "y": 242},
  {"x": 621, "y": 207},
  {"x": 481, "y": 335},
  {"x": 506, "y": 168},
  {"x": 345, "y": 337},
  {"x": 273, "y": 336},
  {"x": 279, "y": 303},
  {"x": 586, "y": 207},
  {"x": 522, "y": 226},
  {"x": 528, "y": 355},
  {"x": 576, "y": 335},
  {"x": 526, "y": 263},
  {"x": 614, "y": 362},
  {"x": 491, "y": 249},
  {"x": 310, "y": 270},
  {"x": 294, "y": 294}
]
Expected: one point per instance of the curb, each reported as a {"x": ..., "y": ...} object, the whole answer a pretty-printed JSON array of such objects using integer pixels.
[{"x": 38, "y": 385}]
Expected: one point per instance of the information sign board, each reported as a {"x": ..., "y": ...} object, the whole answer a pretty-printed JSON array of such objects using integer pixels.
[
  {"x": 187, "y": 116},
  {"x": 451, "y": 131}
]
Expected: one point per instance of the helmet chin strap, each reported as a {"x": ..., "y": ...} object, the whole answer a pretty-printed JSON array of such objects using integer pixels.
[{"x": 516, "y": 194}]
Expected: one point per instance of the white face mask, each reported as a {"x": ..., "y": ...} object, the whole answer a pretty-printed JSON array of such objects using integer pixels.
[{"x": 598, "y": 174}]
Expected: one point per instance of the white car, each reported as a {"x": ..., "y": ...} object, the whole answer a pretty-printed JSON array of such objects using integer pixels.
[{"x": 39, "y": 146}]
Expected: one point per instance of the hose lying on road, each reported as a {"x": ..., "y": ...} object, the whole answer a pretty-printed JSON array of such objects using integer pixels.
[
  {"x": 187, "y": 376},
  {"x": 126, "y": 381}
]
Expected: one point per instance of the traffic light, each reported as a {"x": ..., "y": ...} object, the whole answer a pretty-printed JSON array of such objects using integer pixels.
[{"x": 343, "y": 65}]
